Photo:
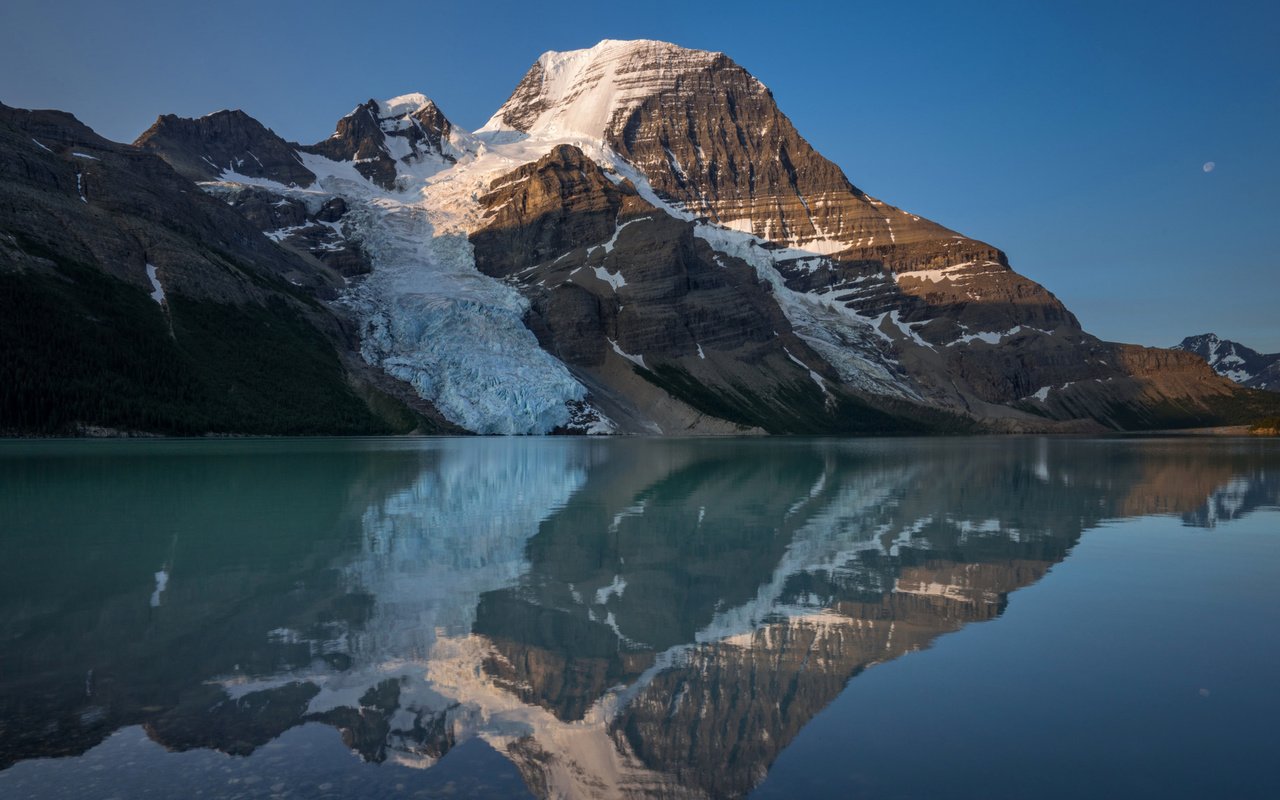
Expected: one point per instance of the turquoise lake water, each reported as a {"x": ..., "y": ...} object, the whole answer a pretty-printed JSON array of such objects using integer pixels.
[{"x": 485, "y": 617}]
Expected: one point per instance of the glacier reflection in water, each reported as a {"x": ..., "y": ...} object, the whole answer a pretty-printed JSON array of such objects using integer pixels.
[{"x": 566, "y": 617}]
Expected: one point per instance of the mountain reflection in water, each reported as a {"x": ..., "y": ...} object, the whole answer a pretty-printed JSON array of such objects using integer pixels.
[{"x": 635, "y": 617}]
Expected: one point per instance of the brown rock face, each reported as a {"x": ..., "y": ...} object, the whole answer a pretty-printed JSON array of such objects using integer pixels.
[
  {"x": 710, "y": 138},
  {"x": 717, "y": 144},
  {"x": 620, "y": 289},
  {"x": 544, "y": 210},
  {"x": 202, "y": 149}
]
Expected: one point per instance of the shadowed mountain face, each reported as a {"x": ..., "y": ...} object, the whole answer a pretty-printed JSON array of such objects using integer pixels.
[
  {"x": 628, "y": 618},
  {"x": 132, "y": 300},
  {"x": 224, "y": 141}
]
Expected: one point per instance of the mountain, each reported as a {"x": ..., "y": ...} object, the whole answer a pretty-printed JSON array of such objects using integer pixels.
[
  {"x": 224, "y": 141},
  {"x": 133, "y": 301},
  {"x": 640, "y": 241},
  {"x": 379, "y": 136},
  {"x": 860, "y": 280},
  {"x": 1233, "y": 360}
]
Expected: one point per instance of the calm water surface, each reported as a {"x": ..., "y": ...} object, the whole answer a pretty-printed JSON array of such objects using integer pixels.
[{"x": 986, "y": 618}]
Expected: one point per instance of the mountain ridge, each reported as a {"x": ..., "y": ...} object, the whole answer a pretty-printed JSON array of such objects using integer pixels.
[
  {"x": 1235, "y": 361},
  {"x": 580, "y": 263}
]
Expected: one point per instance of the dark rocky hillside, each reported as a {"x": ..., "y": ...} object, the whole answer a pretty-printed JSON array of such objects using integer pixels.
[{"x": 133, "y": 301}]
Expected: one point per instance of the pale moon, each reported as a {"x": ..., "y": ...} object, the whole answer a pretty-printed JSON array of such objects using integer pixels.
[{"x": 1209, "y": 165}]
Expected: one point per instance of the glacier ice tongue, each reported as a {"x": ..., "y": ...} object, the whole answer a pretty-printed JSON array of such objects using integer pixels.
[
  {"x": 476, "y": 362},
  {"x": 457, "y": 336},
  {"x": 427, "y": 316}
]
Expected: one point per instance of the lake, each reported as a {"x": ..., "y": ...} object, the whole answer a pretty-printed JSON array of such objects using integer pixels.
[{"x": 779, "y": 618}]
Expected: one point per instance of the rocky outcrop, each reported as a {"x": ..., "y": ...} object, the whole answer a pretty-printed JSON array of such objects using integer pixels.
[
  {"x": 1234, "y": 361},
  {"x": 376, "y": 136},
  {"x": 312, "y": 229},
  {"x": 544, "y": 210},
  {"x": 120, "y": 208},
  {"x": 224, "y": 141}
]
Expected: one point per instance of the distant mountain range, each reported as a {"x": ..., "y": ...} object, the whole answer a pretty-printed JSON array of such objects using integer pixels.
[
  {"x": 638, "y": 241},
  {"x": 1236, "y": 362}
]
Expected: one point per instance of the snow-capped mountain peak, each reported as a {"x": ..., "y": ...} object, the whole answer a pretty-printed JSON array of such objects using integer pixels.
[
  {"x": 404, "y": 104},
  {"x": 581, "y": 92},
  {"x": 1232, "y": 360},
  {"x": 383, "y": 137}
]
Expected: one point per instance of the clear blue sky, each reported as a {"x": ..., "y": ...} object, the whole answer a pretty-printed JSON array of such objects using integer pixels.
[{"x": 1072, "y": 135}]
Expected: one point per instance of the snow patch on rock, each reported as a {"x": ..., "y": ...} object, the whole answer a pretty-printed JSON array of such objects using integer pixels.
[{"x": 157, "y": 290}]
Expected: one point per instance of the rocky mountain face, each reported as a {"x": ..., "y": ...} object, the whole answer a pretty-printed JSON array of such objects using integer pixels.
[
  {"x": 1236, "y": 362},
  {"x": 709, "y": 138},
  {"x": 377, "y": 135},
  {"x": 973, "y": 335},
  {"x": 224, "y": 142},
  {"x": 609, "y": 276},
  {"x": 374, "y": 137},
  {"x": 640, "y": 241},
  {"x": 314, "y": 229},
  {"x": 134, "y": 301}
]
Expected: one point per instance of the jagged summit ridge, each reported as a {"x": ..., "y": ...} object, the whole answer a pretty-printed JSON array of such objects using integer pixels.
[{"x": 379, "y": 136}]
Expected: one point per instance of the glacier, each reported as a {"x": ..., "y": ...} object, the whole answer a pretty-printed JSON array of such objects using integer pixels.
[
  {"x": 426, "y": 315},
  {"x": 457, "y": 336}
]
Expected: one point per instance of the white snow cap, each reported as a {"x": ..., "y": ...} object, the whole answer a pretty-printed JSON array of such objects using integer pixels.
[
  {"x": 581, "y": 90},
  {"x": 404, "y": 104}
]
